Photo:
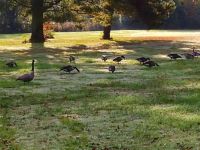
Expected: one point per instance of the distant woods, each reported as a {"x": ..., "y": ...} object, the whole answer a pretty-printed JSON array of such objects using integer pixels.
[{"x": 186, "y": 15}]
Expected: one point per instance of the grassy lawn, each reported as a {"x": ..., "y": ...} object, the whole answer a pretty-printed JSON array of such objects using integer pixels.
[{"x": 134, "y": 108}]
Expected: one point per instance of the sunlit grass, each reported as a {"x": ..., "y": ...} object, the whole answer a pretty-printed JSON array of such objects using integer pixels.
[
  {"x": 94, "y": 38},
  {"x": 134, "y": 108}
]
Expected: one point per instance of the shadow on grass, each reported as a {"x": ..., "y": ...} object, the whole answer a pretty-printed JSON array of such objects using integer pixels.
[{"x": 136, "y": 48}]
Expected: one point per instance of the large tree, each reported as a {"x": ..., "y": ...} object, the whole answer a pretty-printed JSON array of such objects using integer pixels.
[
  {"x": 105, "y": 16},
  {"x": 151, "y": 12},
  {"x": 37, "y": 8}
]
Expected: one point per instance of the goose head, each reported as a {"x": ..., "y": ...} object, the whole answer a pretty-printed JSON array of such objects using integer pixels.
[{"x": 123, "y": 57}]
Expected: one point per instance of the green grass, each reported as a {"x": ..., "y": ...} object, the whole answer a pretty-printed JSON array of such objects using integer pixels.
[{"x": 134, "y": 108}]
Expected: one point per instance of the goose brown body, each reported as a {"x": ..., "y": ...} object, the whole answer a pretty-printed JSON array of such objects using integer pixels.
[
  {"x": 29, "y": 76},
  {"x": 11, "y": 64},
  {"x": 26, "y": 77},
  {"x": 118, "y": 59},
  {"x": 142, "y": 59},
  {"x": 195, "y": 53},
  {"x": 69, "y": 68},
  {"x": 174, "y": 56},
  {"x": 111, "y": 69},
  {"x": 150, "y": 64},
  {"x": 188, "y": 56}
]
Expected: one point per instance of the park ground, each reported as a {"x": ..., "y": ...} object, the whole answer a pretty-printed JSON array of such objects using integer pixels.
[{"x": 134, "y": 108}]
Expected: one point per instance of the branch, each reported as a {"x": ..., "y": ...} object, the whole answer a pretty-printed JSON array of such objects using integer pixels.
[{"x": 22, "y": 3}]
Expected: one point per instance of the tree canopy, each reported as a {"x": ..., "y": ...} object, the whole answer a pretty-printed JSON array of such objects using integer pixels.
[{"x": 151, "y": 12}]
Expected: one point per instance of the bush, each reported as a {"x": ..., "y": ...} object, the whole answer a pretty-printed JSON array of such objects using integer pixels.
[{"x": 48, "y": 30}]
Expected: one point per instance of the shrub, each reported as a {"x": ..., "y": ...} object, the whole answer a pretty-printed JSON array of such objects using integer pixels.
[{"x": 48, "y": 28}]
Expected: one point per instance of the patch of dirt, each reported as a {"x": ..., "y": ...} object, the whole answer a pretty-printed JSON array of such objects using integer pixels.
[{"x": 70, "y": 116}]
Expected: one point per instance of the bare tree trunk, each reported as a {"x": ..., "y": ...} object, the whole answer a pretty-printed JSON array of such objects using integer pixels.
[
  {"x": 106, "y": 32},
  {"x": 37, "y": 35}
]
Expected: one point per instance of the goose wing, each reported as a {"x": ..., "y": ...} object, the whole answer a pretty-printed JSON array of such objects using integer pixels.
[
  {"x": 25, "y": 77},
  {"x": 117, "y": 59}
]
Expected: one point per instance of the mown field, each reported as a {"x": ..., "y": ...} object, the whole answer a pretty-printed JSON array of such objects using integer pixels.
[{"x": 135, "y": 108}]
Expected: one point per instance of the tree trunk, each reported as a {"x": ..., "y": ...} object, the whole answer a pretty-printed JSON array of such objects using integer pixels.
[
  {"x": 106, "y": 32},
  {"x": 37, "y": 35}
]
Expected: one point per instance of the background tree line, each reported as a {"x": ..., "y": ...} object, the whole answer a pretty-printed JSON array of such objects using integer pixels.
[{"x": 73, "y": 15}]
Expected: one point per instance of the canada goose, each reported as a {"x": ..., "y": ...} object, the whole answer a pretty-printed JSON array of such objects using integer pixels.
[
  {"x": 72, "y": 59},
  {"x": 150, "y": 64},
  {"x": 69, "y": 68},
  {"x": 195, "y": 53},
  {"x": 104, "y": 57},
  {"x": 29, "y": 76},
  {"x": 142, "y": 59},
  {"x": 11, "y": 64},
  {"x": 119, "y": 58},
  {"x": 111, "y": 69},
  {"x": 174, "y": 56},
  {"x": 188, "y": 56}
]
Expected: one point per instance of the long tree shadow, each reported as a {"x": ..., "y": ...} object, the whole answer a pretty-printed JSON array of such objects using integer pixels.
[
  {"x": 37, "y": 45},
  {"x": 133, "y": 47}
]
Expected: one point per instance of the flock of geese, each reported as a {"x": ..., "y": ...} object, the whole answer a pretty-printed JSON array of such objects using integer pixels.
[{"x": 69, "y": 68}]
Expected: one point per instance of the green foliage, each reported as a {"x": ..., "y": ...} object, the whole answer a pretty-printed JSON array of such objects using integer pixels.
[
  {"x": 154, "y": 12},
  {"x": 58, "y": 11},
  {"x": 62, "y": 12},
  {"x": 102, "y": 12},
  {"x": 105, "y": 15}
]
